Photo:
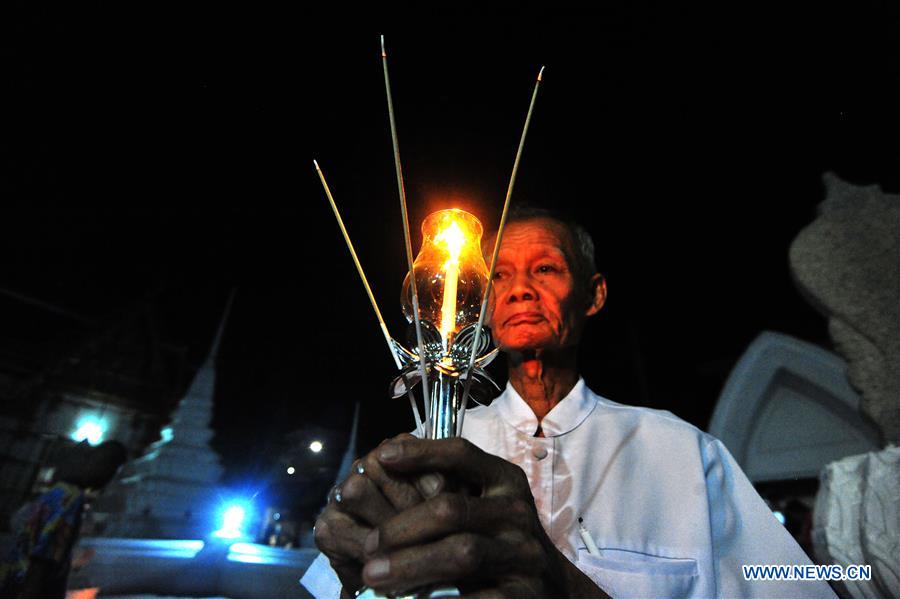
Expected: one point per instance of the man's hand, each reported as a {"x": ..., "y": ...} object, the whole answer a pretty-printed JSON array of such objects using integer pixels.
[
  {"x": 365, "y": 500},
  {"x": 489, "y": 540}
]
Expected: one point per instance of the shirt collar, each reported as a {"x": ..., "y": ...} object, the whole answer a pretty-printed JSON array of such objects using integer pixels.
[{"x": 563, "y": 418}]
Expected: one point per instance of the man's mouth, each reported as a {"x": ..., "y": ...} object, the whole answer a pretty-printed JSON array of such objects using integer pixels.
[{"x": 524, "y": 318}]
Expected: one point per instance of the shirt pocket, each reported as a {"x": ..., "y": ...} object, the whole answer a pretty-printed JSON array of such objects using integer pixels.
[{"x": 622, "y": 573}]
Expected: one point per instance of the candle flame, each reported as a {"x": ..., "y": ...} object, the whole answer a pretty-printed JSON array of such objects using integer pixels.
[
  {"x": 451, "y": 273},
  {"x": 453, "y": 239}
]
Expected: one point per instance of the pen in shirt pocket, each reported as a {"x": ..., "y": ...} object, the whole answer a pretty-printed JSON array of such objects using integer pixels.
[{"x": 587, "y": 538}]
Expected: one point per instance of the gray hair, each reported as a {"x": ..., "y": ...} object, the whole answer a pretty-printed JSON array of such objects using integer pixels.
[{"x": 582, "y": 244}]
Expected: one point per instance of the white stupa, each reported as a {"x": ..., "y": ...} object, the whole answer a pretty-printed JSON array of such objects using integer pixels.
[{"x": 171, "y": 491}]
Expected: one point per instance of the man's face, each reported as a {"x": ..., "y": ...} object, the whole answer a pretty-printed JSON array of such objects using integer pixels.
[{"x": 537, "y": 303}]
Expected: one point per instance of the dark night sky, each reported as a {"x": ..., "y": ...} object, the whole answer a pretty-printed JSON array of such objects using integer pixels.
[{"x": 171, "y": 149}]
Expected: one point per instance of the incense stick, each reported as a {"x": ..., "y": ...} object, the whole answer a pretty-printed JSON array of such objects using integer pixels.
[
  {"x": 490, "y": 281},
  {"x": 406, "y": 236},
  {"x": 365, "y": 282}
]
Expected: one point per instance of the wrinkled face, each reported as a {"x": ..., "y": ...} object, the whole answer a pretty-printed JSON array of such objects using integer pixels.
[{"x": 536, "y": 303}]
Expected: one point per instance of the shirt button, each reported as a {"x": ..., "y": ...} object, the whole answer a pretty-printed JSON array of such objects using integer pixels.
[{"x": 539, "y": 451}]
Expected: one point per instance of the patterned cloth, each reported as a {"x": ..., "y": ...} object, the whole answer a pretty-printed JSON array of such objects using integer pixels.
[{"x": 45, "y": 529}]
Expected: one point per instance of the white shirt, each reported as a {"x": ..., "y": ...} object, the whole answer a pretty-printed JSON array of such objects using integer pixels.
[{"x": 671, "y": 512}]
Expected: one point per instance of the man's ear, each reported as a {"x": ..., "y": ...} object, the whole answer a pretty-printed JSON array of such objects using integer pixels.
[{"x": 596, "y": 294}]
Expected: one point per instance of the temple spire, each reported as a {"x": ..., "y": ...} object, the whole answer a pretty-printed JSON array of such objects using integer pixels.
[
  {"x": 172, "y": 490},
  {"x": 214, "y": 351},
  {"x": 350, "y": 453}
]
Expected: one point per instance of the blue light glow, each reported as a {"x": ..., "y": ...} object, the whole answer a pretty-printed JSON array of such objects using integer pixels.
[
  {"x": 247, "y": 553},
  {"x": 233, "y": 517},
  {"x": 779, "y": 516},
  {"x": 246, "y": 549},
  {"x": 114, "y": 548},
  {"x": 166, "y": 434},
  {"x": 90, "y": 429}
]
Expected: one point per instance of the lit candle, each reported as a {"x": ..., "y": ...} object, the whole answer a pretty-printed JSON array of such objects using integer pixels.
[{"x": 453, "y": 239}]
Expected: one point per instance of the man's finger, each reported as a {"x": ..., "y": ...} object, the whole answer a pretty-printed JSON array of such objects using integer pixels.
[
  {"x": 403, "y": 491},
  {"x": 360, "y": 497},
  {"x": 455, "y": 455},
  {"x": 447, "y": 514},
  {"x": 464, "y": 556},
  {"x": 339, "y": 536},
  {"x": 400, "y": 490},
  {"x": 516, "y": 589},
  {"x": 431, "y": 484}
]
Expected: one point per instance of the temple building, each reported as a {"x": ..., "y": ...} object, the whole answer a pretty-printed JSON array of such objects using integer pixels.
[
  {"x": 68, "y": 376},
  {"x": 170, "y": 491}
]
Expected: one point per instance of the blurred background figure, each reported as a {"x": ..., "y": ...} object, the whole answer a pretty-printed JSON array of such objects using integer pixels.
[{"x": 47, "y": 527}]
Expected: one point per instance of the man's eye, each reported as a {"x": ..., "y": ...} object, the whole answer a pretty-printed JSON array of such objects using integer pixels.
[
  {"x": 546, "y": 268},
  {"x": 499, "y": 275}
]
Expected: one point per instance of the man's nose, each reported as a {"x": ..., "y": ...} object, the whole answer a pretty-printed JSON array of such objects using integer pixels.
[{"x": 522, "y": 289}]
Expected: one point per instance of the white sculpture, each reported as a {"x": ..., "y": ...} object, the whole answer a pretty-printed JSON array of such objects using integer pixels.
[{"x": 847, "y": 262}]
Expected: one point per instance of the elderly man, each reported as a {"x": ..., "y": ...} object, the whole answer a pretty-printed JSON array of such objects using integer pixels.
[{"x": 497, "y": 513}]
